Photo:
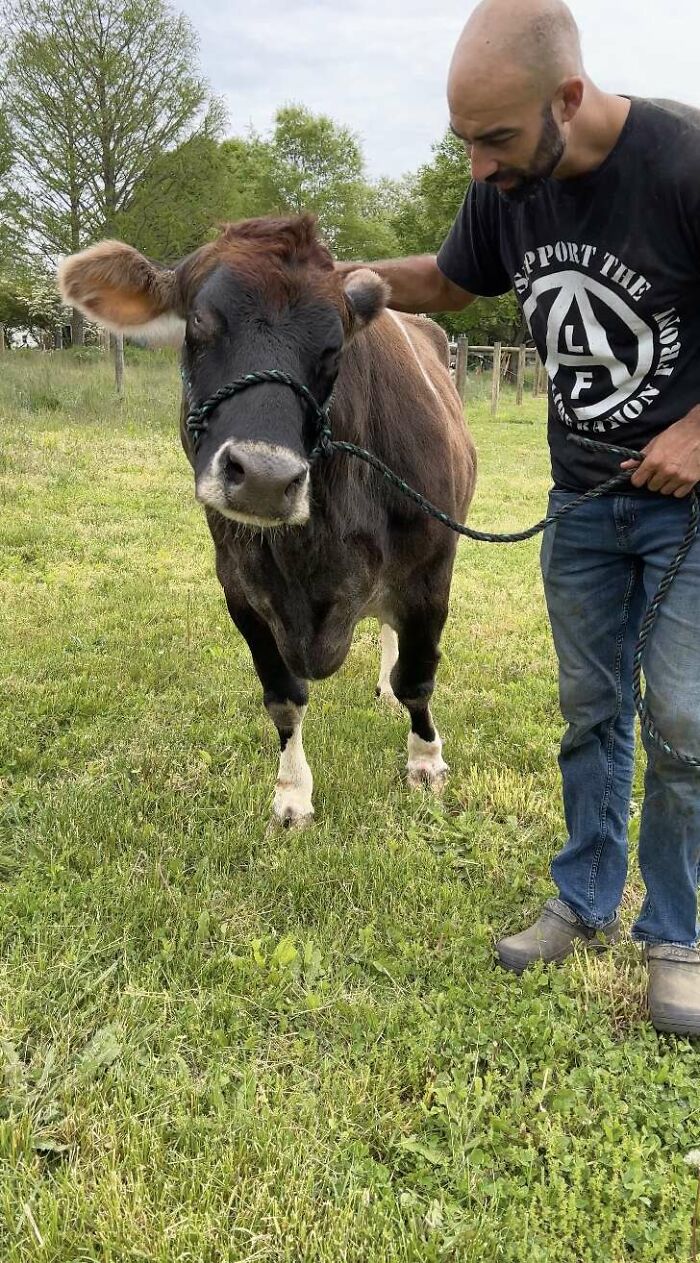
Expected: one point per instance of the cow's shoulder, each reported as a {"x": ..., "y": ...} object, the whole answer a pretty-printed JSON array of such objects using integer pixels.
[{"x": 427, "y": 333}]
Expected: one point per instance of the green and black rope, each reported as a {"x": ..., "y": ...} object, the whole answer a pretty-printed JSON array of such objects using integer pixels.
[{"x": 198, "y": 419}]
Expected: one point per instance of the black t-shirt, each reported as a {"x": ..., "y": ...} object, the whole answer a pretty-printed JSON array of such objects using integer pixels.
[{"x": 606, "y": 267}]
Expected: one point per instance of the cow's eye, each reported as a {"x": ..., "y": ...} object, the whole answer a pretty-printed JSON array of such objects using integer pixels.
[
  {"x": 331, "y": 354},
  {"x": 196, "y": 327}
]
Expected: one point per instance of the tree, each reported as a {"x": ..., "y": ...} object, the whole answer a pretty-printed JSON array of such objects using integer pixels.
[
  {"x": 96, "y": 91},
  {"x": 309, "y": 163},
  {"x": 432, "y": 197},
  {"x": 9, "y": 241},
  {"x": 5, "y": 167},
  {"x": 317, "y": 165},
  {"x": 423, "y": 212},
  {"x": 29, "y": 301},
  {"x": 189, "y": 190}
]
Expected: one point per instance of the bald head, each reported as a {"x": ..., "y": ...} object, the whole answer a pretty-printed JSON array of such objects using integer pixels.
[
  {"x": 530, "y": 45},
  {"x": 515, "y": 86}
]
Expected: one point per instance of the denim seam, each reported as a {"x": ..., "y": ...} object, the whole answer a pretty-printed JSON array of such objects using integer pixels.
[
  {"x": 610, "y": 744},
  {"x": 650, "y": 940}
]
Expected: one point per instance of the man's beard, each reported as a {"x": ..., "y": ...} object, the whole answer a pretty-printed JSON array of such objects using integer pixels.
[{"x": 546, "y": 159}]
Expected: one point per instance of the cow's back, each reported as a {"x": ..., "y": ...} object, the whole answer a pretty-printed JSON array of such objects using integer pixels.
[{"x": 424, "y": 330}]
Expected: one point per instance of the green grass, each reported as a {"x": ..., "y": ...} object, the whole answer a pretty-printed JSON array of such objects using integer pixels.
[{"x": 225, "y": 1044}]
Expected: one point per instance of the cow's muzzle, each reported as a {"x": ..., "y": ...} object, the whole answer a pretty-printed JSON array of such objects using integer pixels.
[{"x": 257, "y": 483}]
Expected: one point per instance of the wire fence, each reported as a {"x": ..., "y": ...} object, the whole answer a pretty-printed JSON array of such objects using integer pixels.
[{"x": 475, "y": 367}]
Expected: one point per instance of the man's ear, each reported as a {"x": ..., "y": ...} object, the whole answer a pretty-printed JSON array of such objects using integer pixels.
[
  {"x": 367, "y": 295},
  {"x": 117, "y": 287}
]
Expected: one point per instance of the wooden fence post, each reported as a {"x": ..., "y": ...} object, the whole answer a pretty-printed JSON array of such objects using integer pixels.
[
  {"x": 520, "y": 381},
  {"x": 2, "y": 338},
  {"x": 536, "y": 375},
  {"x": 461, "y": 365},
  {"x": 119, "y": 363},
  {"x": 58, "y": 338},
  {"x": 496, "y": 379}
]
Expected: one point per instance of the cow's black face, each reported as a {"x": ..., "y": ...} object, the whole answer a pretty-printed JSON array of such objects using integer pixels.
[
  {"x": 252, "y": 463},
  {"x": 264, "y": 295}
]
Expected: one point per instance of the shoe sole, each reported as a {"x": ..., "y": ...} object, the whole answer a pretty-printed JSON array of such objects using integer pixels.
[
  {"x": 513, "y": 966},
  {"x": 516, "y": 965},
  {"x": 666, "y": 1026}
]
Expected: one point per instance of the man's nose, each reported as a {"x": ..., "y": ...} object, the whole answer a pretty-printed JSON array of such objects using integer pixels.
[{"x": 482, "y": 165}]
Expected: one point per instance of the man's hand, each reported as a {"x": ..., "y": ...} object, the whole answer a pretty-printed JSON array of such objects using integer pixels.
[
  {"x": 416, "y": 284},
  {"x": 671, "y": 462}
]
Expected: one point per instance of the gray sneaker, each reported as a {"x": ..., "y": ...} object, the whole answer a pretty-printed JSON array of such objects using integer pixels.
[
  {"x": 552, "y": 938},
  {"x": 674, "y": 988}
]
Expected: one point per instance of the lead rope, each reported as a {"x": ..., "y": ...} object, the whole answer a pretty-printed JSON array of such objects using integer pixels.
[{"x": 197, "y": 423}]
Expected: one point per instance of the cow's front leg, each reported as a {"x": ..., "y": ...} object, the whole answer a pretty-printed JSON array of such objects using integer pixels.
[
  {"x": 413, "y": 681},
  {"x": 293, "y": 808},
  {"x": 285, "y": 697}
]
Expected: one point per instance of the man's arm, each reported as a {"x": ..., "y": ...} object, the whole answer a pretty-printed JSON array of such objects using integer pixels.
[{"x": 416, "y": 284}]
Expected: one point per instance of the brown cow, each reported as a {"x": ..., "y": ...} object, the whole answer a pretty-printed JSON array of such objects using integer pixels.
[{"x": 304, "y": 550}]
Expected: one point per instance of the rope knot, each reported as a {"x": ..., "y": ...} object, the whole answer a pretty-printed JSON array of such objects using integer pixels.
[{"x": 324, "y": 444}]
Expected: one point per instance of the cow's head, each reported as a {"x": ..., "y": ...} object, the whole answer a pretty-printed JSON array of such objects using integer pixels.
[{"x": 264, "y": 295}]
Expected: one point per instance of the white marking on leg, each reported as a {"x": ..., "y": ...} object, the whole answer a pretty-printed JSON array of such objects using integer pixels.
[
  {"x": 406, "y": 334},
  {"x": 390, "y": 655},
  {"x": 293, "y": 807},
  {"x": 426, "y": 766}
]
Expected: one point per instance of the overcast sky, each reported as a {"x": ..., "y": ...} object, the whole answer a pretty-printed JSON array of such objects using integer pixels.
[{"x": 380, "y": 66}]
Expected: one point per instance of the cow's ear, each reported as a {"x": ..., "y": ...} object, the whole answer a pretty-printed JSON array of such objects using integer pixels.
[
  {"x": 367, "y": 295},
  {"x": 117, "y": 287}
]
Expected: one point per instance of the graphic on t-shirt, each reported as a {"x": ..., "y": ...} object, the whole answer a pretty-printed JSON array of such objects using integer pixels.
[{"x": 607, "y": 359}]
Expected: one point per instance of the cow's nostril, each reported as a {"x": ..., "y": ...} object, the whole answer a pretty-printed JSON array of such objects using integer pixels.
[
  {"x": 235, "y": 472},
  {"x": 295, "y": 485}
]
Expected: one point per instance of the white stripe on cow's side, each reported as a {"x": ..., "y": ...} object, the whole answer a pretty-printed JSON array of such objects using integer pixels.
[
  {"x": 405, "y": 333},
  {"x": 390, "y": 654},
  {"x": 293, "y": 807},
  {"x": 426, "y": 766}
]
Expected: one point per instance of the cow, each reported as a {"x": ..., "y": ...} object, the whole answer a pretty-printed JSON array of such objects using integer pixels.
[{"x": 305, "y": 548}]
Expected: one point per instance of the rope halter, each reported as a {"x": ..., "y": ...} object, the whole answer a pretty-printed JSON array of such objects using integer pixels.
[{"x": 198, "y": 416}]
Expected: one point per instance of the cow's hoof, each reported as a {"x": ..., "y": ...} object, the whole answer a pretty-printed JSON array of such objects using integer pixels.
[
  {"x": 292, "y": 810},
  {"x": 431, "y": 778},
  {"x": 294, "y": 820},
  {"x": 426, "y": 767},
  {"x": 387, "y": 697}
]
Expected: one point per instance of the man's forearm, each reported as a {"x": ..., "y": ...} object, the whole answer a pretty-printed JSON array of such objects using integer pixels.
[{"x": 416, "y": 284}]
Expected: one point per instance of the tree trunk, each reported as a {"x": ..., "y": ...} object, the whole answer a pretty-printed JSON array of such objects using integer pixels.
[
  {"x": 119, "y": 363},
  {"x": 58, "y": 338},
  {"x": 77, "y": 324}
]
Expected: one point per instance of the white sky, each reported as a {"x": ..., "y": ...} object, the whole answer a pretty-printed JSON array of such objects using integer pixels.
[{"x": 380, "y": 66}]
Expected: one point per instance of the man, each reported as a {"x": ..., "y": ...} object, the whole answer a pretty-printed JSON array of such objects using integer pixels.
[{"x": 588, "y": 204}]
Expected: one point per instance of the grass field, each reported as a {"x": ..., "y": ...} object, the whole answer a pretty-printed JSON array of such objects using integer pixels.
[{"x": 224, "y": 1044}]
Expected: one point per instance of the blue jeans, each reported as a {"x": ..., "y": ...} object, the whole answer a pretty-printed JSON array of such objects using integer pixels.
[{"x": 601, "y": 566}]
